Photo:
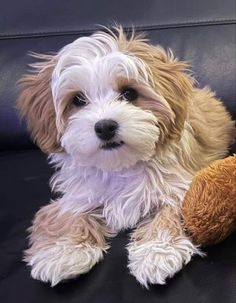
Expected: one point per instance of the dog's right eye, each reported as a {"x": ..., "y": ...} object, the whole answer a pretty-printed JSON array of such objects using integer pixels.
[{"x": 80, "y": 100}]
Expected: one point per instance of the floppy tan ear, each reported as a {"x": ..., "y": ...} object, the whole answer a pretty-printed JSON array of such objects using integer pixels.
[
  {"x": 175, "y": 85},
  {"x": 36, "y": 104},
  {"x": 172, "y": 82},
  {"x": 168, "y": 77}
]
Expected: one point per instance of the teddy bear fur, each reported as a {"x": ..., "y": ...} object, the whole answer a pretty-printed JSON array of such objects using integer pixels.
[{"x": 209, "y": 208}]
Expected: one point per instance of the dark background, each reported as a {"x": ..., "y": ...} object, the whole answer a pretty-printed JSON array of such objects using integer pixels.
[{"x": 203, "y": 32}]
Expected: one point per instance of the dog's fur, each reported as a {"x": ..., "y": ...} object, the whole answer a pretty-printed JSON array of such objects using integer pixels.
[{"x": 170, "y": 132}]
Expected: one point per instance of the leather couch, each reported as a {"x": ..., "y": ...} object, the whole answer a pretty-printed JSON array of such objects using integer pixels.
[{"x": 203, "y": 32}]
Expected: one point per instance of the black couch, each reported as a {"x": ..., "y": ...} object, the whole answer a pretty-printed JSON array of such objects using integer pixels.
[{"x": 202, "y": 31}]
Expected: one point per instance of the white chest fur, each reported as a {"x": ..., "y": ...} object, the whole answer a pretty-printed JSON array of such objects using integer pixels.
[{"x": 125, "y": 196}]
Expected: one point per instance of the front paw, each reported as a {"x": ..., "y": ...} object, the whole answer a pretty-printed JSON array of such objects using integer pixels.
[
  {"x": 62, "y": 261},
  {"x": 153, "y": 262}
]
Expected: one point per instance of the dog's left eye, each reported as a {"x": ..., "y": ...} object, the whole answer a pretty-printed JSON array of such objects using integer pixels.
[
  {"x": 80, "y": 100},
  {"x": 129, "y": 94}
]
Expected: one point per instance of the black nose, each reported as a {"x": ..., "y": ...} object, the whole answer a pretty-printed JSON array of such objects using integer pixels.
[{"x": 106, "y": 129}]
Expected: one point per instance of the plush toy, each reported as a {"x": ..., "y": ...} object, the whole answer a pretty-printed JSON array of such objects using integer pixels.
[{"x": 209, "y": 209}]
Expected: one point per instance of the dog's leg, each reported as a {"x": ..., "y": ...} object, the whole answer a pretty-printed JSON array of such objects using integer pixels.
[
  {"x": 64, "y": 245},
  {"x": 159, "y": 248}
]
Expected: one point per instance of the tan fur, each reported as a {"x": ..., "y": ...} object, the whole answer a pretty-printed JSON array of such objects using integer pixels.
[
  {"x": 36, "y": 105},
  {"x": 167, "y": 77},
  {"x": 210, "y": 129},
  {"x": 167, "y": 219},
  {"x": 211, "y": 123},
  {"x": 50, "y": 227},
  {"x": 209, "y": 208}
]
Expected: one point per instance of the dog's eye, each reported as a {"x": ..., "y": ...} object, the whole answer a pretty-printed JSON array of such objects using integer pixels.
[
  {"x": 129, "y": 94},
  {"x": 80, "y": 100}
]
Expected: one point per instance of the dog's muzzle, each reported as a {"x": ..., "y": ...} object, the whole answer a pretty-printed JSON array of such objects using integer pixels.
[{"x": 106, "y": 129}]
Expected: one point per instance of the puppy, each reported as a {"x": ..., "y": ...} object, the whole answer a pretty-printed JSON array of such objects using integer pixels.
[{"x": 127, "y": 129}]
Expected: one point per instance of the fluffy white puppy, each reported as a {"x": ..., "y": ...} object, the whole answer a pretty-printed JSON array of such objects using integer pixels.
[{"x": 127, "y": 130}]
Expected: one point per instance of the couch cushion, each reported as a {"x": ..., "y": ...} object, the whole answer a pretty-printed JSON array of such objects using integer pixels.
[{"x": 42, "y": 17}]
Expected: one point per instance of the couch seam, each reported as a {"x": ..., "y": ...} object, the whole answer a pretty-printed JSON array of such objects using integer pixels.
[{"x": 19, "y": 35}]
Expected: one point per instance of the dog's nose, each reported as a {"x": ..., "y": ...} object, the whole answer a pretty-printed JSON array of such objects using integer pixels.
[{"x": 106, "y": 129}]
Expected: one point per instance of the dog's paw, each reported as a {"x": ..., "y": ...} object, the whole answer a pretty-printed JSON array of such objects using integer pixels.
[
  {"x": 62, "y": 261},
  {"x": 153, "y": 262}
]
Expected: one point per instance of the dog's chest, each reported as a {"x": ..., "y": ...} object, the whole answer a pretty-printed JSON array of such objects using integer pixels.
[
  {"x": 129, "y": 195},
  {"x": 125, "y": 196}
]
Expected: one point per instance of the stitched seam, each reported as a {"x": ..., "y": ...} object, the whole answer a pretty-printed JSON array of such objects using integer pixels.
[{"x": 138, "y": 28}]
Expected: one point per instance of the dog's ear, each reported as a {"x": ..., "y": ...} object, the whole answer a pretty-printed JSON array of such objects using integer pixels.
[
  {"x": 172, "y": 80},
  {"x": 169, "y": 77},
  {"x": 36, "y": 104}
]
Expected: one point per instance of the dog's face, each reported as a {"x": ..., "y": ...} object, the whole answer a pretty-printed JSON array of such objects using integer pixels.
[{"x": 106, "y": 100}]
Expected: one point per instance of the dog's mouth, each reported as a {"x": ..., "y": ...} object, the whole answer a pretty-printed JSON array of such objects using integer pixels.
[{"x": 111, "y": 145}]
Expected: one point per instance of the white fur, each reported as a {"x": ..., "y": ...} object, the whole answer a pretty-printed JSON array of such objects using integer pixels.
[
  {"x": 63, "y": 261},
  {"x": 127, "y": 183},
  {"x": 136, "y": 128},
  {"x": 154, "y": 261},
  {"x": 125, "y": 196},
  {"x": 92, "y": 65}
]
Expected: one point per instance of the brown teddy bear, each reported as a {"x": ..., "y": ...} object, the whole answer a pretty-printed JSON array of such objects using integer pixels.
[{"x": 209, "y": 208}]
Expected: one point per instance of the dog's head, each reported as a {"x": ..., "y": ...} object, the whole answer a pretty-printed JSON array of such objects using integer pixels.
[{"x": 107, "y": 100}]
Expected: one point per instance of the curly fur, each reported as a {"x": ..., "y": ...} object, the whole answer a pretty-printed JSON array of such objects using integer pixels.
[{"x": 171, "y": 131}]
